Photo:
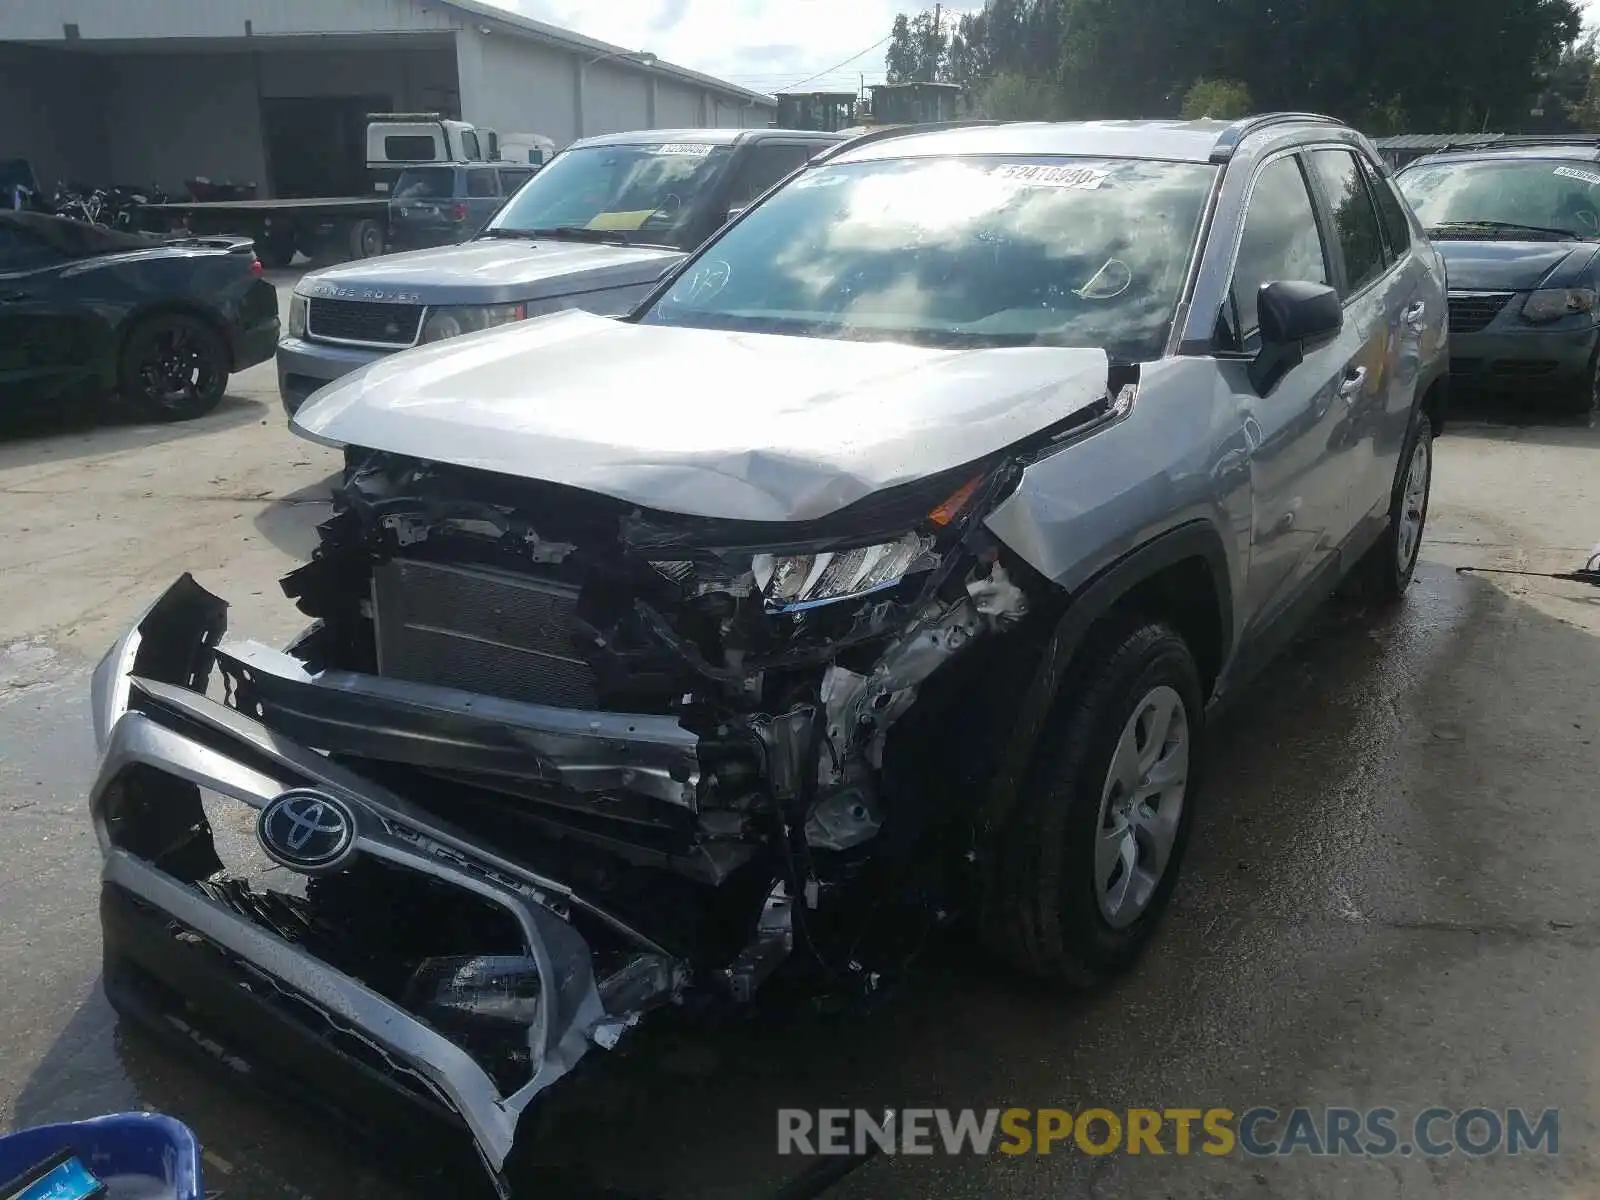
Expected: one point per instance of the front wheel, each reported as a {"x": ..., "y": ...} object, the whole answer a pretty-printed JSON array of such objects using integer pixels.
[
  {"x": 174, "y": 367},
  {"x": 1078, "y": 877}
]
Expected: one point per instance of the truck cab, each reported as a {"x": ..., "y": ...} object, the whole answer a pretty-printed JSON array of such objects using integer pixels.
[{"x": 396, "y": 141}]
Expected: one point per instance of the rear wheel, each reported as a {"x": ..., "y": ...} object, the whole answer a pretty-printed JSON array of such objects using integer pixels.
[
  {"x": 174, "y": 367},
  {"x": 1586, "y": 400},
  {"x": 366, "y": 239},
  {"x": 1077, "y": 879},
  {"x": 276, "y": 247},
  {"x": 1385, "y": 572}
]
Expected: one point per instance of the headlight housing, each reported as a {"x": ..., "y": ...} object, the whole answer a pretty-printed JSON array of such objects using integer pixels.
[
  {"x": 1551, "y": 304},
  {"x": 297, "y": 316},
  {"x": 795, "y": 582},
  {"x": 448, "y": 321}
]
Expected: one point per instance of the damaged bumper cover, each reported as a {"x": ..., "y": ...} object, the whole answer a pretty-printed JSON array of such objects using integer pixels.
[{"x": 153, "y": 721}]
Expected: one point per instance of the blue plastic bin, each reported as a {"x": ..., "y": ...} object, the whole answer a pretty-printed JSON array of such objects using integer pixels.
[{"x": 156, "y": 1150}]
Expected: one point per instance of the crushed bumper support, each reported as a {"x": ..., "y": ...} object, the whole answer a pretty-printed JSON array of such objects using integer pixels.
[{"x": 150, "y": 714}]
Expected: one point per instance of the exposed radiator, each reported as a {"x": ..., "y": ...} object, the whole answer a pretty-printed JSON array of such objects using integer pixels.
[{"x": 479, "y": 630}]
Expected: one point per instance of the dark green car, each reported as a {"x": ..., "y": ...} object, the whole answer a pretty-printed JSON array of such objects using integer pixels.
[{"x": 1518, "y": 224}]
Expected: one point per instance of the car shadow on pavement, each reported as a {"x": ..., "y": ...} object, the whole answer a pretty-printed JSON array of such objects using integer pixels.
[
  {"x": 290, "y": 522},
  {"x": 98, "y": 430},
  {"x": 1510, "y": 417}
]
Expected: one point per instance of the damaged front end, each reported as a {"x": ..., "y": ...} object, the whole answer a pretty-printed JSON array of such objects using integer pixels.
[{"x": 587, "y": 760}]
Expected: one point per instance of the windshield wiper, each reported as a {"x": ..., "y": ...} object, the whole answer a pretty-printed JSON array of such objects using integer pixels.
[
  {"x": 517, "y": 234},
  {"x": 1513, "y": 226},
  {"x": 581, "y": 233}
]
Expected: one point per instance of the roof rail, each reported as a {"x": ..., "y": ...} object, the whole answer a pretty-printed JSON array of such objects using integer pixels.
[
  {"x": 894, "y": 131},
  {"x": 1228, "y": 140}
]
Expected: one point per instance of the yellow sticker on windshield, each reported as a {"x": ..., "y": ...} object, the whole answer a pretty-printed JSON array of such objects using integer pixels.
[
  {"x": 621, "y": 220},
  {"x": 1037, "y": 175}
]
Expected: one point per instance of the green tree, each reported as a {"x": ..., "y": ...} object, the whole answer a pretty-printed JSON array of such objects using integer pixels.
[
  {"x": 1225, "y": 99},
  {"x": 1009, "y": 97},
  {"x": 918, "y": 50}
]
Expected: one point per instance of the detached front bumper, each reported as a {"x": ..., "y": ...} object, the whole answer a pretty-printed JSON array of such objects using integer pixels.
[{"x": 178, "y": 925}]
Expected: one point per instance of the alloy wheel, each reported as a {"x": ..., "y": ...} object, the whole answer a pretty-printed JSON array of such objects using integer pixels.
[{"x": 1140, "y": 806}]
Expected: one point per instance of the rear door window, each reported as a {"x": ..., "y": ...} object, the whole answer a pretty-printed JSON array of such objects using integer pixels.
[
  {"x": 1355, "y": 220},
  {"x": 426, "y": 183},
  {"x": 765, "y": 165},
  {"x": 511, "y": 180},
  {"x": 481, "y": 184},
  {"x": 1280, "y": 241},
  {"x": 1391, "y": 210}
]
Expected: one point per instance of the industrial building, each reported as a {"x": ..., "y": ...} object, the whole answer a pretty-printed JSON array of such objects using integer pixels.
[{"x": 265, "y": 91}]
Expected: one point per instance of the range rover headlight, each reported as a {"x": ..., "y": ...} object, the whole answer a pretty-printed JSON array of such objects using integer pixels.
[
  {"x": 297, "y": 316},
  {"x": 794, "y": 582},
  {"x": 1552, "y": 304},
  {"x": 453, "y": 320}
]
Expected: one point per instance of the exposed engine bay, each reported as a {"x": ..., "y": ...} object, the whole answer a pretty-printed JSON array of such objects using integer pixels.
[{"x": 794, "y": 665}]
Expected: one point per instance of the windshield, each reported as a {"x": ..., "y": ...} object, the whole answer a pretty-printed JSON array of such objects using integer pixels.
[
  {"x": 969, "y": 251},
  {"x": 426, "y": 183},
  {"x": 651, "y": 193},
  {"x": 1540, "y": 192}
]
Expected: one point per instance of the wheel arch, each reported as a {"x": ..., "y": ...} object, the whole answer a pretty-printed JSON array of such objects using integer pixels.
[
  {"x": 169, "y": 307},
  {"x": 1180, "y": 576}
]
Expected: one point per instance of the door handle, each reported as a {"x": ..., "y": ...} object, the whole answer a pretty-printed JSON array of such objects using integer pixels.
[
  {"x": 1353, "y": 379},
  {"x": 1416, "y": 315}
]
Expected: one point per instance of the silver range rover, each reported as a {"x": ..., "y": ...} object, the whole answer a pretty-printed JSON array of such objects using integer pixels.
[{"x": 593, "y": 230}]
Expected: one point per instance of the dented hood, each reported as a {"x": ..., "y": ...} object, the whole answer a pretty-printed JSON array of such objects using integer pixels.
[{"x": 741, "y": 426}]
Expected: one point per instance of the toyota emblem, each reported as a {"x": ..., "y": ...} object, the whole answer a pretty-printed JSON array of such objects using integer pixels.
[{"x": 307, "y": 831}]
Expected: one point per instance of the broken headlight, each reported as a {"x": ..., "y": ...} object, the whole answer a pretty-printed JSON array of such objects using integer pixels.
[{"x": 793, "y": 582}]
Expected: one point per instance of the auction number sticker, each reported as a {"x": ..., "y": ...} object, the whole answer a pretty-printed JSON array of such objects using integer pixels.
[
  {"x": 1034, "y": 175},
  {"x": 1575, "y": 173},
  {"x": 691, "y": 149}
]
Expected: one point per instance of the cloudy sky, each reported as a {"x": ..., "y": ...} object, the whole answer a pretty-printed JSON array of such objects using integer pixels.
[
  {"x": 744, "y": 41},
  {"x": 767, "y": 45}
]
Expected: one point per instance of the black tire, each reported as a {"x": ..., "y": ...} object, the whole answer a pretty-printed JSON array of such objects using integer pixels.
[
  {"x": 1384, "y": 572},
  {"x": 276, "y": 248},
  {"x": 1585, "y": 403},
  {"x": 173, "y": 367},
  {"x": 366, "y": 239},
  {"x": 1041, "y": 909}
]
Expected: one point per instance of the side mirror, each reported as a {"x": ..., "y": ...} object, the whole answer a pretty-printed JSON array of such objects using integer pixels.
[{"x": 1296, "y": 317}]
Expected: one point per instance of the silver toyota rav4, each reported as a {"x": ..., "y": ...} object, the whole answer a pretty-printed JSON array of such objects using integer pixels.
[{"x": 880, "y": 570}]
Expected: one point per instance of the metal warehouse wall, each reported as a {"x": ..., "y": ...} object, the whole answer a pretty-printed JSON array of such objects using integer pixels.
[
  {"x": 35, "y": 20},
  {"x": 517, "y": 86},
  {"x": 171, "y": 117},
  {"x": 50, "y": 113},
  {"x": 679, "y": 106}
]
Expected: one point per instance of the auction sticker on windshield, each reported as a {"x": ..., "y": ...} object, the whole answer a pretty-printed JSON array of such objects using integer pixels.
[
  {"x": 1035, "y": 175},
  {"x": 1574, "y": 173},
  {"x": 692, "y": 149}
]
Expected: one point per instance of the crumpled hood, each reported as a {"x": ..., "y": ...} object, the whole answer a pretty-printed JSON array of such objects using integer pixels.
[
  {"x": 1498, "y": 266},
  {"x": 741, "y": 426},
  {"x": 490, "y": 271}
]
